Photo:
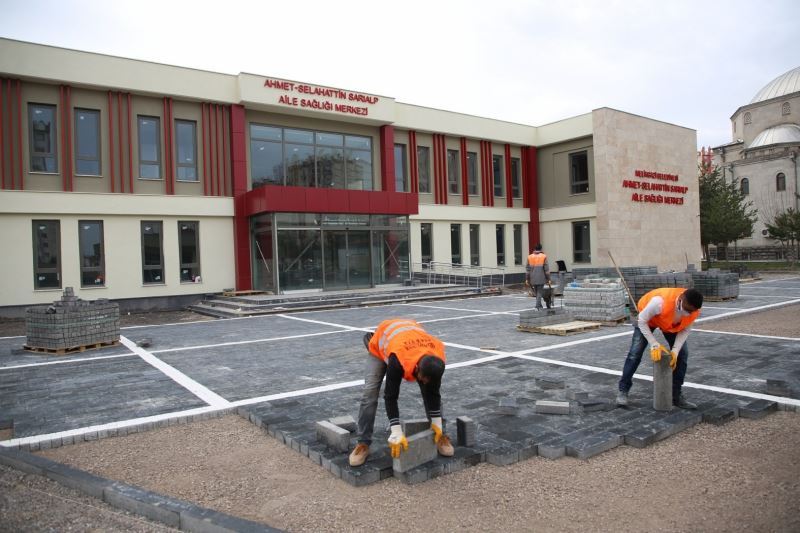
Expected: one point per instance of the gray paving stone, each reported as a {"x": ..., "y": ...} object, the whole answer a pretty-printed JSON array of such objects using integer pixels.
[
  {"x": 552, "y": 407},
  {"x": 552, "y": 449},
  {"x": 577, "y": 395},
  {"x": 592, "y": 445},
  {"x": 414, "y": 426},
  {"x": 549, "y": 382},
  {"x": 720, "y": 415},
  {"x": 334, "y": 436},
  {"x": 145, "y": 503},
  {"x": 345, "y": 422},
  {"x": 467, "y": 431},
  {"x": 508, "y": 406},
  {"x": 200, "y": 520},
  {"x": 502, "y": 456},
  {"x": 421, "y": 449},
  {"x": 758, "y": 409}
]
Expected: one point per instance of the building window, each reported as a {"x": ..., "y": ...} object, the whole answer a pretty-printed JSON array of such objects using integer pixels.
[
  {"x": 424, "y": 168},
  {"x": 149, "y": 148},
  {"x": 426, "y": 239},
  {"x": 516, "y": 189},
  {"x": 455, "y": 244},
  {"x": 517, "y": 244},
  {"x": 87, "y": 142},
  {"x": 500, "y": 235},
  {"x": 744, "y": 186},
  {"x": 92, "y": 253},
  {"x": 499, "y": 180},
  {"x": 786, "y": 109},
  {"x": 46, "y": 254},
  {"x": 472, "y": 173},
  {"x": 474, "y": 244},
  {"x": 152, "y": 253},
  {"x": 400, "y": 173},
  {"x": 780, "y": 182},
  {"x": 747, "y": 118},
  {"x": 453, "y": 172},
  {"x": 42, "y": 126},
  {"x": 304, "y": 158},
  {"x": 186, "y": 147},
  {"x": 579, "y": 173},
  {"x": 189, "y": 243},
  {"x": 581, "y": 249}
]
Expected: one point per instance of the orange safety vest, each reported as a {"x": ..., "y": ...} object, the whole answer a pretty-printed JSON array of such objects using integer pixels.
[
  {"x": 406, "y": 339},
  {"x": 537, "y": 260},
  {"x": 663, "y": 320}
]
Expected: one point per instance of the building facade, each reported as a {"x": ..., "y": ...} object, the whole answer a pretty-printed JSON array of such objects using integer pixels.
[
  {"x": 762, "y": 155},
  {"x": 144, "y": 183}
]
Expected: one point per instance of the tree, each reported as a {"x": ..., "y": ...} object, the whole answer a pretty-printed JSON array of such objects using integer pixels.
[
  {"x": 725, "y": 213},
  {"x": 785, "y": 228}
]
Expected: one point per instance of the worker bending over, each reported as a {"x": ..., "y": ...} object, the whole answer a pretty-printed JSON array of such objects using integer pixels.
[
  {"x": 672, "y": 310},
  {"x": 400, "y": 349},
  {"x": 538, "y": 273}
]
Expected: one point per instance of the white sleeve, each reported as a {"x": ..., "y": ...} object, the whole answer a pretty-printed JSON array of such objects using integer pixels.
[
  {"x": 652, "y": 309},
  {"x": 680, "y": 338}
]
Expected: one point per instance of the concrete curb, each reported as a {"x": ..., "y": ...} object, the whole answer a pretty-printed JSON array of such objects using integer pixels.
[{"x": 170, "y": 511}]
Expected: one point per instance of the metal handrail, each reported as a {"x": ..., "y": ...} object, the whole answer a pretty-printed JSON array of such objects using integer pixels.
[{"x": 437, "y": 272}]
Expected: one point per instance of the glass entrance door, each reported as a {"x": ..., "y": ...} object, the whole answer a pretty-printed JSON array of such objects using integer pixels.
[{"x": 347, "y": 259}]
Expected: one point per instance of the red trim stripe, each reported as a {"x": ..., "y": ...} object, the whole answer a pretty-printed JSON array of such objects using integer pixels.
[
  {"x": 464, "y": 177},
  {"x": 220, "y": 162},
  {"x": 111, "y": 142},
  {"x": 119, "y": 143},
  {"x": 2, "y": 146},
  {"x": 413, "y": 173},
  {"x": 212, "y": 149},
  {"x": 205, "y": 148},
  {"x": 19, "y": 135},
  {"x": 226, "y": 151},
  {"x": 130, "y": 146},
  {"x": 509, "y": 198}
]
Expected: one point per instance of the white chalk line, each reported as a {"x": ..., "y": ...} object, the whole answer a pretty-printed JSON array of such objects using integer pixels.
[
  {"x": 201, "y": 391},
  {"x": 772, "y": 337},
  {"x": 465, "y": 310},
  {"x": 81, "y": 360},
  {"x": 253, "y": 341}
]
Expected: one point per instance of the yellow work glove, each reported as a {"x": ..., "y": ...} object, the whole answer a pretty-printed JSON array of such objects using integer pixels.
[
  {"x": 397, "y": 441},
  {"x": 655, "y": 352},
  {"x": 436, "y": 427},
  {"x": 673, "y": 362}
]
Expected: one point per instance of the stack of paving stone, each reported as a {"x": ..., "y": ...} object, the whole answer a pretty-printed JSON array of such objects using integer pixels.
[
  {"x": 611, "y": 272},
  {"x": 716, "y": 284},
  {"x": 72, "y": 323},
  {"x": 641, "y": 285},
  {"x": 596, "y": 299},
  {"x": 534, "y": 318}
]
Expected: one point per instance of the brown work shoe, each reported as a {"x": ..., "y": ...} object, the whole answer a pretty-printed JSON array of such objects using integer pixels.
[
  {"x": 359, "y": 456},
  {"x": 444, "y": 447}
]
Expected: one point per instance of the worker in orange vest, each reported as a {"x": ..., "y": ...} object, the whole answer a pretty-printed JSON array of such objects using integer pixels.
[
  {"x": 538, "y": 273},
  {"x": 672, "y": 310},
  {"x": 400, "y": 349}
]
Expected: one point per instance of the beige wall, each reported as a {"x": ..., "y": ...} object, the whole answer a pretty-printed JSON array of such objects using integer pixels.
[
  {"x": 764, "y": 115},
  {"x": 122, "y": 216},
  {"x": 644, "y": 233},
  {"x": 554, "y": 173},
  {"x": 555, "y": 233}
]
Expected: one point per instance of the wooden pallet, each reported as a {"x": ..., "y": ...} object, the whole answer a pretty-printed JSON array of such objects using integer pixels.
[
  {"x": 719, "y": 298},
  {"x": 241, "y": 293},
  {"x": 71, "y": 350},
  {"x": 566, "y": 328},
  {"x": 616, "y": 322}
]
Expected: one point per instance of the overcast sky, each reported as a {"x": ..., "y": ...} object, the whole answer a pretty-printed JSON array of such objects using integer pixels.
[{"x": 688, "y": 62}]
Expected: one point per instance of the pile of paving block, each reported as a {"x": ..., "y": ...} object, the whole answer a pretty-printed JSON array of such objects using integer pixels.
[
  {"x": 642, "y": 284},
  {"x": 596, "y": 299},
  {"x": 534, "y": 318},
  {"x": 611, "y": 272},
  {"x": 716, "y": 284},
  {"x": 71, "y": 324}
]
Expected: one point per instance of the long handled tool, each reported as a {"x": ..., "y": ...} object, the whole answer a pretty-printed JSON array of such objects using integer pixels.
[{"x": 627, "y": 291}]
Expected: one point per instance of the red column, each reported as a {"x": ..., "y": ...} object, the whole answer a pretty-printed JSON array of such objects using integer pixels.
[
  {"x": 387, "y": 159},
  {"x": 530, "y": 182},
  {"x": 241, "y": 223},
  {"x": 413, "y": 174},
  {"x": 464, "y": 174}
]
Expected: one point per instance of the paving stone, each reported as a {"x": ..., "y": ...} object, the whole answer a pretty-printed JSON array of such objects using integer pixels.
[
  {"x": 502, "y": 456},
  {"x": 467, "y": 431},
  {"x": 549, "y": 382},
  {"x": 334, "y": 436},
  {"x": 360, "y": 476},
  {"x": 508, "y": 406},
  {"x": 421, "y": 449},
  {"x": 414, "y": 476},
  {"x": 758, "y": 409},
  {"x": 720, "y": 415},
  {"x": 200, "y": 520},
  {"x": 415, "y": 425},
  {"x": 345, "y": 422},
  {"x": 552, "y": 449},
  {"x": 552, "y": 407},
  {"x": 149, "y": 504},
  {"x": 577, "y": 395},
  {"x": 778, "y": 387},
  {"x": 592, "y": 445}
]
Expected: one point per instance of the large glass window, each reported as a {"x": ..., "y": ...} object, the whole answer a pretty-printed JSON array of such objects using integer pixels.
[
  {"x": 266, "y": 155},
  {"x": 426, "y": 241},
  {"x": 186, "y": 148},
  {"x": 300, "y": 256},
  {"x": 152, "y": 253},
  {"x": 474, "y": 244},
  {"x": 581, "y": 249},
  {"x": 499, "y": 177},
  {"x": 400, "y": 173},
  {"x": 390, "y": 249},
  {"x": 262, "y": 250},
  {"x": 149, "y": 148},
  {"x": 455, "y": 244},
  {"x": 424, "y": 168},
  {"x": 500, "y": 237},
  {"x": 304, "y": 158},
  {"x": 42, "y": 127},
  {"x": 453, "y": 172},
  {"x": 472, "y": 173},
  {"x": 516, "y": 189},
  {"x": 87, "y": 142},
  {"x": 579, "y": 173},
  {"x": 46, "y": 254},
  {"x": 517, "y": 244},
  {"x": 92, "y": 254},
  {"x": 189, "y": 243}
]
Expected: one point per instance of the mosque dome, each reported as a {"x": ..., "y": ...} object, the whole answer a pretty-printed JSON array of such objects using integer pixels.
[
  {"x": 784, "y": 133},
  {"x": 786, "y": 83}
]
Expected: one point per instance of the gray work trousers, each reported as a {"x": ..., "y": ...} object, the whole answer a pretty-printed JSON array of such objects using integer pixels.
[
  {"x": 374, "y": 371},
  {"x": 537, "y": 291}
]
